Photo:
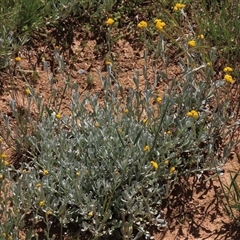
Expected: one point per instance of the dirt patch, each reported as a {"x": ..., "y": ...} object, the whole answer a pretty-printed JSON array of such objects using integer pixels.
[{"x": 195, "y": 208}]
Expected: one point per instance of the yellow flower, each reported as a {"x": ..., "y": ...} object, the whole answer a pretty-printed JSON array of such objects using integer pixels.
[
  {"x": 58, "y": 116},
  {"x": 119, "y": 130},
  {"x": 193, "y": 114},
  {"x": 109, "y": 22},
  {"x": 78, "y": 174},
  {"x": 209, "y": 64},
  {"x": 90, "y": 214},
  {"x": 96, "y": 125},
  {"x": 172, "y": 170},
  {"x": 41, "y": 203},
  {"x": 166, "y": 162},
  {"x": 48, "y": 213},
  {"x": 227, "y": 69},
  {"x": 142, "y": 24},
  {"x": 146, "y": 148},
  {"x": 201, "y": 36},
  {"x": 154, "y": 164},
  {"x": 178, "y": 6},
  {"x": 126, "y": 111},
  {"x": 159, "y": 24},
  {"x": 6, "y": 163},
  {"x": 145, "y": 121},
  {"x": 192, "y": 43},
  {"x": 27, "y": 91},
  {"x": 38, "y": 185},
  {"x": 116, "y": 172},
  {"x": 108, "y": 63},
  {"x": 159, "y": 99},
  {"x": 168, "y": 132},
  {"x": 45, "y": 172},
  {"x": 228, "y": 78},
  {"x": 3, "y": 156},
  {"x": 18, "y": 59},
  {"x": 1, "y": 176},
  {"x": 157, "y": 20}
]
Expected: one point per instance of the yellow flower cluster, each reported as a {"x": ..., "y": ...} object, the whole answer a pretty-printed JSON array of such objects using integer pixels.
[
  {"x": 26, "y": 171},
  {"x": 18, "y": 59},
  {"x": 48, "y": 213},
  {"x": 192, "y": 43},
  {"x": 90, "y": 214},
  {"x": 108, "y": 63},
  {"x": 27, "y": 91},
  {"x": 227, "y": 77},
  {"x": 5, "y": 236},
  {"x": 146, "y": 148},
  {"x": 172, "y": 170},
  {"x": 58, "y": 116},
  {"x": 227, "y": 69},
  {"x": 142, "y": 24},
  {"x": 159, "y": 99},
  {"x": 41, "y": 204},
  {"x": 6, "y": 163},
  {"x": 45, "y": 172},
  {"x": 178, "y": 6},
  {"x": 3, "y": 158},
  {"x": 154, "y": 164},
  {"x": 109, "y": 22},
  {"x": 145, "y": 121},
  {"x": 166, "y": 162},
  {"x": 193, "y": 114},
  {"x": 159, "y": 24},
  {"x": 201, "y": 36}
]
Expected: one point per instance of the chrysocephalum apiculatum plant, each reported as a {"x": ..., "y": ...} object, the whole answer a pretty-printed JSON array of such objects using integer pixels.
[{"x": 105, "y": 168}]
